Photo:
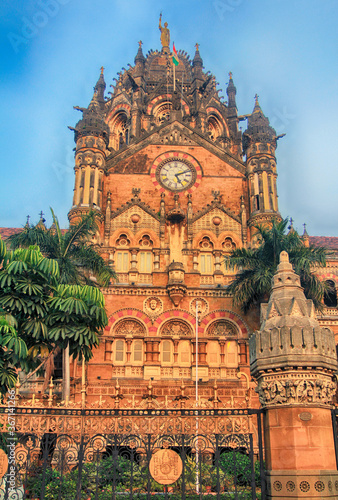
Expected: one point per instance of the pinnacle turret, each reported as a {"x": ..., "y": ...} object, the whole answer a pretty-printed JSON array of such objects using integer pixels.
[
  {"x": 139, "y": 58},
  {"x": 259, "y": 129},
  {"x": 231, "y": 92},
  {"x": 92, "y": 122},
  {"x": 197, "y": 61}
]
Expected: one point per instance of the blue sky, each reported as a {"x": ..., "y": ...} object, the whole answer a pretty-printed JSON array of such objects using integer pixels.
[{"x": 52, "y": 51}]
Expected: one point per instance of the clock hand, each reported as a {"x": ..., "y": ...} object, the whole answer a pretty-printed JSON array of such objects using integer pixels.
[
  {"x": 178, "y": 180},
  {"x": 185, "y": 171}
]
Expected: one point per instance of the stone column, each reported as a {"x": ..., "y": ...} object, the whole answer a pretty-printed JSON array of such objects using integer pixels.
[{"x": 294, "y": 361}]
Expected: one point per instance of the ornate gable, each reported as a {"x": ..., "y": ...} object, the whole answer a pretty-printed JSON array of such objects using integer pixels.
[
  {"x": 135, "y": 215},
  {"x": 219, "y": 217}
]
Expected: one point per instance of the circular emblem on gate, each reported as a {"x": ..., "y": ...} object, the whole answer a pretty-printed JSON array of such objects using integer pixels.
[
  {"x": 3, "y": 463},
  {"x": 165, "y": 466}
]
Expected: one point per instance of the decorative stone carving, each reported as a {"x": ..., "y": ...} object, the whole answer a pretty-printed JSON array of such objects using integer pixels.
[
  {"x": 203, "y": 307},
  {"x": 129, "y": 327},
  {"x": 286, "y": 389},
  {"x": 222, "y": 328},
  {"x": 176, "y": 327},
  {"x": 153, "y": 307}
]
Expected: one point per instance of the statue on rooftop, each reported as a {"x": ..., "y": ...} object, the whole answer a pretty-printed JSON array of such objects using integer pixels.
[{"x": 165, "y": 33}]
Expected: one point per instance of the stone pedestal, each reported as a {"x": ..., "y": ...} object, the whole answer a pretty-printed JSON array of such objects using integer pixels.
[
  {"x": 302, "y": 484},
  {"x": 294, "y": 362}
]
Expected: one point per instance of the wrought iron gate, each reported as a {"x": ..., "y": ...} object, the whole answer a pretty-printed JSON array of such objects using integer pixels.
[{"x": 61, "y": 467}]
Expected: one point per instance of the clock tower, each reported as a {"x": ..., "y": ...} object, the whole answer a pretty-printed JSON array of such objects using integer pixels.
[{"x": 176, "y": 187}]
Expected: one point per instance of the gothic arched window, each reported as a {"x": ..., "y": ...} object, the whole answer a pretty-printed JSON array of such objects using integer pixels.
[
  {"x": 215, "y": 128},
  {"x": 120, "y": 130},
  {"x": 206, "y": 257}
]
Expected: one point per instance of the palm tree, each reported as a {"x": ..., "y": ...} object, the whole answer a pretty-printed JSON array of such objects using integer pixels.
[
  {"x": 76, "y": 256},
  {"x": 39, "y": 316},
  {"x": 257, "y": 266},
  {"x": 72, "y": 249}
]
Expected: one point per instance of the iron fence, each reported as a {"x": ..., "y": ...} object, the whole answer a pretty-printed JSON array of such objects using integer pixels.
[{"x": 105, "y": 467}]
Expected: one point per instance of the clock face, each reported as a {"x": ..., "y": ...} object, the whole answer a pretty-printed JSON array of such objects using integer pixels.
[{"x": 176, "y": 175}]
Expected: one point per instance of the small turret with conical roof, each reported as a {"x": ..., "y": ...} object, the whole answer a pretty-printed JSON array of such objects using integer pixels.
[
  {"x": 92, "y": 139},
  {"x": 259, "y": 145}
]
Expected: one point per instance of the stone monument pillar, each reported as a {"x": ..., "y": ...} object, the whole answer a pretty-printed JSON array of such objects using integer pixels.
[{"x": 294, "y": 360}]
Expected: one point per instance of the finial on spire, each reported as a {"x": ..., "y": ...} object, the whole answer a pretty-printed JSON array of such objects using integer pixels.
[
  {"x": 257, "y": 107},
  {"x": 305, "y": 236},
  {"x": 102, "y": 70},
  {"x": 197, "y": 61},
  {"x": 290, "y": 227},
  {"x": 140, "y": 43},
  {"x": 230, "y": 75}
]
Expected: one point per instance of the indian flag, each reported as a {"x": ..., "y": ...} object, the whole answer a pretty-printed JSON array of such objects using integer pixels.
[{"x": 175, "y": 56}]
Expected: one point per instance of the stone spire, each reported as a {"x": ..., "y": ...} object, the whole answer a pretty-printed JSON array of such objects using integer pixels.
[
  {"x": 292, "y": 356},
  {"x": 231, "y": 92},
  {"x": 139, "y": 58},
  {"x": 100, "y": 87},
  {"x": 92, "y": 121},
  {"x": 197, "y": 61},
  {"x": 305, "y": 237},
  {"x": 259, "y": 129}
]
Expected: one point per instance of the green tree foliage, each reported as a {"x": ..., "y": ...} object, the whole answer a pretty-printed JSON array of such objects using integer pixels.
[
  {"x": 37, "y": 313},
  {"x": 257, "y": 266},
  {"x": 73, "y": 249}
]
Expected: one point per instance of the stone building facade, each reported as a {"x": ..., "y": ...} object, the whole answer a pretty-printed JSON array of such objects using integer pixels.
[{"x": 177, "y": 186}]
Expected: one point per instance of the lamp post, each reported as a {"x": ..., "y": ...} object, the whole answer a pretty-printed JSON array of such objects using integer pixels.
[{"x": 196, "y": 395}]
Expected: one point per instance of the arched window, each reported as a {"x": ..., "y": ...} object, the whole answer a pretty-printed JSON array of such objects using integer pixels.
[
  {"x": 138, "y": 350},
  {"x": 122, "y": 257},
  {"x": 330, "y": 295},
  {"x": 215, "y": 128},
  {"x": 166, "y": 351},
  {"x": 119, "y": 350},
  {"x": 120, "y": 130},
  {"x": 206, "y": 258},
  {"x": 162, "y": 113}
]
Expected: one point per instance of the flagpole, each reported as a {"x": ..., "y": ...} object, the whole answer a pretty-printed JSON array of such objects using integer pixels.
[{"x": 174, "y": 77}]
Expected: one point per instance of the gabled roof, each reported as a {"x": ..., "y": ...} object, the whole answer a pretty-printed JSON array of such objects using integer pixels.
[
  {"x": 330, "y": 242},
  {"x": 155, "y": 137},
  {"x": 6, "y": 232}
]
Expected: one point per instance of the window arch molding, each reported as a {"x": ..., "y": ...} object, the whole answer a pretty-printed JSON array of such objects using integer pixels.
[
  {"x": 120, "y": 128},
  {"x": 226, "y": 314},
  {"x": 129, "y": 327},
  {"x": 127, "y": 313}
]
